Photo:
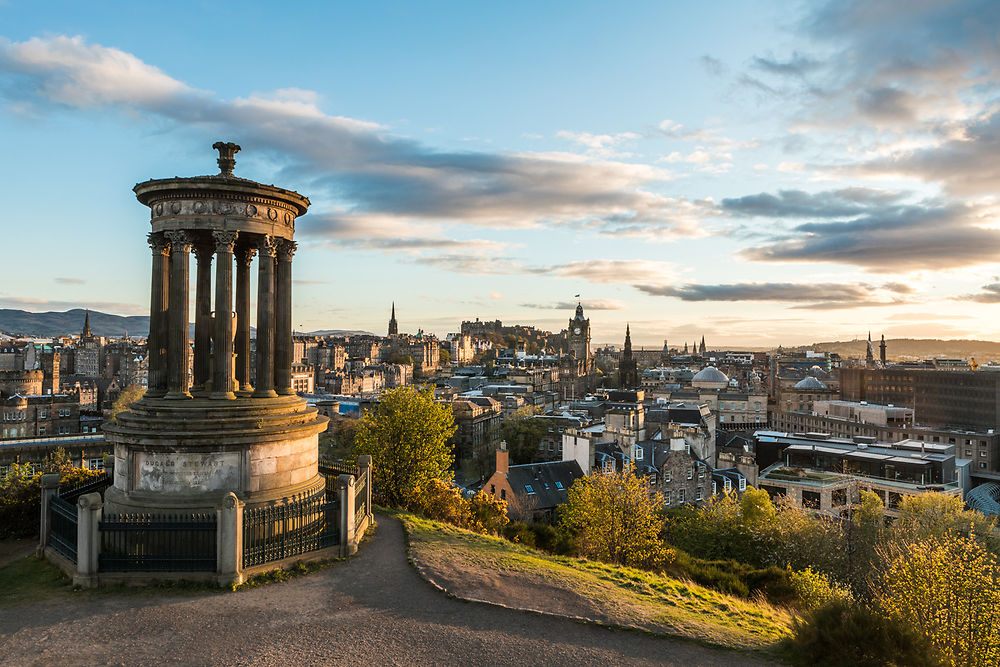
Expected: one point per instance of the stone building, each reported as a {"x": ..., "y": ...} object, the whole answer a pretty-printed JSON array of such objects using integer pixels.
[
  {"x": 88, "y": 355},
  {"x": 532, "y": 490},
  {"x": 40, "y": 415},
  {"x": 303, "y": 378},
  {"x": 682, "y": 477},
  {"x": 477, "y": 433}
]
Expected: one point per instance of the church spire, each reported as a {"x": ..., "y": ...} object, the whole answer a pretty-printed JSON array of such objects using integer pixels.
[
  {"x": 86, "y": 325},
  {"x": 393, "y": 326}
]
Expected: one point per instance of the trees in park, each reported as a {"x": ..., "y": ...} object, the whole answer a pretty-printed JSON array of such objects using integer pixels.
[
  {"x": 615, "y": 518},
  {"x": 946, "y": 587},
  {"x": 126, "y": 398},
  {"x": 406, "y": 435}
]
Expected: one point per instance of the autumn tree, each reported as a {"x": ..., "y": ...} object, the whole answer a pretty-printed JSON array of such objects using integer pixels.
[
  {"x": 948, "y": 589},
  {"x": 125, "y": 399},
  {"x": 615, "y": 518},
  {"x": 938, "y": 514},
  {"x": 406, "y": 435}
]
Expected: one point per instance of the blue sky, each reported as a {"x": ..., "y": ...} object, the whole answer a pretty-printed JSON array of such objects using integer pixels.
[{"x": 759, "y": 173}]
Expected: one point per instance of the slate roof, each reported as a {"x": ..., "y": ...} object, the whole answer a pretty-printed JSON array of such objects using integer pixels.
[{"x": 545, "y": 480}]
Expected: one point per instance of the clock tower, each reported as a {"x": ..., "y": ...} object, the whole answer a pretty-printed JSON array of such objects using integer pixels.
[{"x": 578, "y": 338}]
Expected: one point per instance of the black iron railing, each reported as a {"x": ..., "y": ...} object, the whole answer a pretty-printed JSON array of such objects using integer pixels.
[
  {"x": 361, "y": 508},
  {"x": 158, "y": 543},
  {"x": 292, "y": 527},
  {"x": 89, "y": 486},
  {"x": 333, "y": 469},
  {"x": 62, "y": 526}
]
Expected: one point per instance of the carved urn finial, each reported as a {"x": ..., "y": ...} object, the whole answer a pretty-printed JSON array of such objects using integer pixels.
[{"x": 227, "y": 160}]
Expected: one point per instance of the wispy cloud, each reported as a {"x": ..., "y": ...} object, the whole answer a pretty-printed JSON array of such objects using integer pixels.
[
  {"x": 822, "y": 296},
  {"x": 600, "y": 304},
  {"x": 70, "y": 281},
  {"x": 359, "y": 164}
]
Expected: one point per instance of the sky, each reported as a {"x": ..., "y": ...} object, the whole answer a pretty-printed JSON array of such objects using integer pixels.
[{"x": 756, "y": 173}]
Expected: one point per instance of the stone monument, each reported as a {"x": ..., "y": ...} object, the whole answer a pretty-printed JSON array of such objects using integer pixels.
[{"x": 202, "y": 430}]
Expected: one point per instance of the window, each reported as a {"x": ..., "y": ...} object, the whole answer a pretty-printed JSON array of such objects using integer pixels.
[
  {"x": 96, "y": 464},
  {"x": 714, "y": 488},
  {"x": 666, "y": 497},
  {"x": 701, "y": 472},
  {"x": 559, "y": 485},
  {"x": 982, "y": 454},
  {"x": 680, "y": 496},
  {"x": 982, "y": 464},
  {"x": 41, "y": 430},
  {"x": 690, "y": 473},
  {"x": 638, "y": 453},
  {"x": 43, "y": 414},
  {"x": 493, "y": 489},
  {"x": 666, "y": 476},
  {"x": 503, "y": 494},
  {"x": 527, "y": 487},
  {"x": 728, "y": 485},
  {"x": 968, "y": 452},
  {"x": 697, "y": 493},
  {"x": 743, "y": 483}
]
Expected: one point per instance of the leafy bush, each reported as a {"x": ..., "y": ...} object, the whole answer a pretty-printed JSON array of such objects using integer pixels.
[
  {"x": 814, "y": 589},
  {"x": 21, "y": 494},
  {"x": 441, "y": 501},
  {"x": 840, "y": 633},
  {"x": 519, "y": 532}
]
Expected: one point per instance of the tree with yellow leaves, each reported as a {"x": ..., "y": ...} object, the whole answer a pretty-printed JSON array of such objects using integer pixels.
[
  {"x": 948, "y": 589},
  {"x": 615, "y": 518}
]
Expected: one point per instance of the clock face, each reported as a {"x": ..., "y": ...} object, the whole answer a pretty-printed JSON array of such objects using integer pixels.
[{"x": 577, "y": 331}]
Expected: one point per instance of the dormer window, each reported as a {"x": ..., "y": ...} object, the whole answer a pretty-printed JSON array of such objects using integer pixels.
[{"x": 527, "y": 487}]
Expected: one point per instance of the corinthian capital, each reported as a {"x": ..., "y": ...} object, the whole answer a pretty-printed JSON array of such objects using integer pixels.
[
  {"x": 244, "y": 254},
  {"x": 267, "y": 246},
  {"x": 286, "y": 249},
  {"x": 158, "y": 244},
  {"x": 224, "y": 241},
  {"x": 179, "y": 241}
]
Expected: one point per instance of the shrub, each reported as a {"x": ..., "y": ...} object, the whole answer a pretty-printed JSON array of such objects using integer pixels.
[
  {"x": 440, "y": 501},
  {"x": 487, "y": 514},
  {"x": 21, "y": 495},
  {"x": 519, "y": 533},
  {"x": 841, "y": 633},
  {"x": 814, "y": 589}
]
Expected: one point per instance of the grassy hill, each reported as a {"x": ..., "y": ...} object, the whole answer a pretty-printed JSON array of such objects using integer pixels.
[
  {"x": 70, "y": 322},
  {"x": 479, "y": 567}
]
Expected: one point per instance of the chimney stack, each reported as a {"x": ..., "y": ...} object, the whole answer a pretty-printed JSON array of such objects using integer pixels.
[{"x": 503, "y": 459}]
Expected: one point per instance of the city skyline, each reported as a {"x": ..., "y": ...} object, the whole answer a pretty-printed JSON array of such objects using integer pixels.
[{"x": 753, "y": 175}]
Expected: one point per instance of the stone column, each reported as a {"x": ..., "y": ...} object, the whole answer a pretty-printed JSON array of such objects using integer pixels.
[
  {"x": 158, "y": 299},
  {"x": 265, "y": 318},
  {"x": 178, "y": 380},
  {"x": 222, "y": 382},
  {"x": 244, "y": 255},
  {"x": 202, "y": 317},
  {"x": 348, "y": 540},
  {"x": 283, "y": 319},
  {"x": 89, "y": 508},
  {"x": 229, "y": 543},
  {"x": 50, "y": 487}
]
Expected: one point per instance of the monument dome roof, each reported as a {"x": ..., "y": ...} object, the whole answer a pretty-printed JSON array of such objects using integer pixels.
[
  {"x": 809, "y": 383},
  {"x": 710, "y": 374}
]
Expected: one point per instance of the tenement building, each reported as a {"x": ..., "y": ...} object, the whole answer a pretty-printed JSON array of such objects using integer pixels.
[{"x": 202, "y": 430}]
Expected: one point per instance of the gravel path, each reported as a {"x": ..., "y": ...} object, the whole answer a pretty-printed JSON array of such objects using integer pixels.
[{"x": 373, "y": 609}]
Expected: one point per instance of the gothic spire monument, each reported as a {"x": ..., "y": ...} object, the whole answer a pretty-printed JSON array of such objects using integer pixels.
[
  {"x": 86, "y": 326},
  {"x": 881, "y": 350},
  {"x": 628, "y": 369},
  {"x": 393, "y": 326},
  {"x": 229, "y": 421}
]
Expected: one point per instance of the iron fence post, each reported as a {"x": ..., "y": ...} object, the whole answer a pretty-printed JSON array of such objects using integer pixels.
[{"x": 365, "y": 468}]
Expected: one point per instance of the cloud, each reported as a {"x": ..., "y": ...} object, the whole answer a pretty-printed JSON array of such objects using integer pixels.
[
  {"x": 602, "y": 304},
  {"x": 823, "y": 296},
  {"x": 870, "y": 228},
  {"x": 312, "y": 282},
  {"x": 846, "y": 202},
  {"x": 70, "y": 281},
  {"x": 358, "y": 164},
  {"x": 797, "y": 65},
  {"x": 607, "y": 271},
  {"x": 990, "y": 294}
]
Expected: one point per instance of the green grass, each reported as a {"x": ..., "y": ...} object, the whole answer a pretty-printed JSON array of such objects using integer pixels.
[
  {"x": 33, "y": 579},
  {"x": 627, "y": 596}
]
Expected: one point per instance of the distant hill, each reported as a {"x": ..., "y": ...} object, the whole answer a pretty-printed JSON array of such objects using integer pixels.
[
  {"x": 336, "y": 332},
  {"x": 70, "y": 322},
  {"x": 905, "y": 349}
]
